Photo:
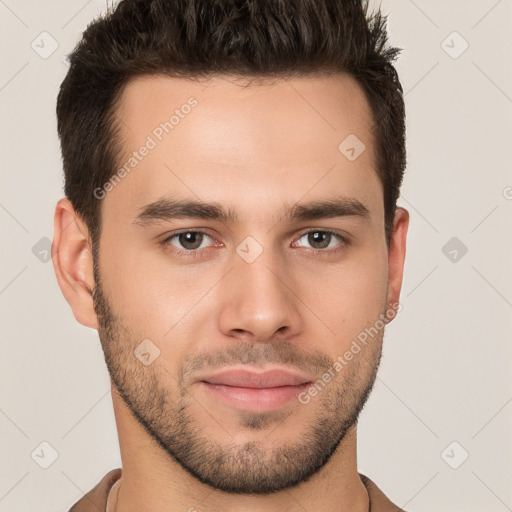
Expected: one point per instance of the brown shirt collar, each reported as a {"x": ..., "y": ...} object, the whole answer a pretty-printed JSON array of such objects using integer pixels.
[{"x": 96, "y": 499}]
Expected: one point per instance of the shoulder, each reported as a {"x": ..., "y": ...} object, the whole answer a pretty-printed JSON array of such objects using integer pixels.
[
  {"x": 378, "y": 500},
  {"x": 96, "y": 498}
]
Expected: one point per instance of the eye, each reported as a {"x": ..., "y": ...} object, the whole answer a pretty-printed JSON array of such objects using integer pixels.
[
  {"x": 194, "y": 243},
  {"x": 324, "y": 241},
  {"x": 186, "y": 242}
]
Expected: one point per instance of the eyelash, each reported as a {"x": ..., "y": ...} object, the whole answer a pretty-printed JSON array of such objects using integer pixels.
[{"x": 194, "y": 253}]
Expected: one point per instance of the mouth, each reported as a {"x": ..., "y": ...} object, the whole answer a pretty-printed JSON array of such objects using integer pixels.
[{"x": 254, "y": 390}]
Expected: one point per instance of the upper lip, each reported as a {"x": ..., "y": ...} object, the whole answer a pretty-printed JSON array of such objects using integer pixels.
[{"x": 256, "y": 378}]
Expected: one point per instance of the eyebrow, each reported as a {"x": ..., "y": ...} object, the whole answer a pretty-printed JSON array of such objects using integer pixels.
[{"x": 167, "y": 209}]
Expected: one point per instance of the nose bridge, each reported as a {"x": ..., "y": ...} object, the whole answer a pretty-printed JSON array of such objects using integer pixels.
[{"x": 258, "y": 299}]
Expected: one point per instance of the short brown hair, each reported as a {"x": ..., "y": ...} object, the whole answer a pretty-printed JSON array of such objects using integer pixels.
[{"x": 199, "y": 38}]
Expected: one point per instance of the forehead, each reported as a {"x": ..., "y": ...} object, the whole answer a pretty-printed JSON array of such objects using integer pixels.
[{"x": 217, "y": 139}]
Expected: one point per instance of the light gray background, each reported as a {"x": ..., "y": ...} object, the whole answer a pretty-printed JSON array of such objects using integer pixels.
[{"x": 446, "y": 370}]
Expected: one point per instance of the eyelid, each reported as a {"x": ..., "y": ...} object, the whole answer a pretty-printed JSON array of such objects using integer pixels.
[
  {"x": 165, "y": 242},
  {"x": 345, "y": 241}
]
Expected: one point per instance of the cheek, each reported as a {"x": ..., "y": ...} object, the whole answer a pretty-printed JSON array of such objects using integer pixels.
[
  {"x": 350, "y": 297},
  {"x": 153, "y": 297}
]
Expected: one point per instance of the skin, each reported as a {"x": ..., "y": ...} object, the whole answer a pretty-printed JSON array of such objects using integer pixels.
[{"x": 255, "y": 150}]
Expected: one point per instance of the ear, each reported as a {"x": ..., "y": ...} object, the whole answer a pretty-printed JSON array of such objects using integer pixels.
[
  {"x": 396, "y": 259},
  {"x": 72, "y": 262}
]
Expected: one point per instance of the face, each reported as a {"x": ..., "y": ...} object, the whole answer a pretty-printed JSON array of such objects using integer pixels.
[{"x": 220, "y": 320}]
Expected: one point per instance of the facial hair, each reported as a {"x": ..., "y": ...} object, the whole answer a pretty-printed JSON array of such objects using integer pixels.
[{"x": 163, "y": 405}]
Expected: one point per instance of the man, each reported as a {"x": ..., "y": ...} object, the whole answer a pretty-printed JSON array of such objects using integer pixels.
[{"x": 230, "y": 228}]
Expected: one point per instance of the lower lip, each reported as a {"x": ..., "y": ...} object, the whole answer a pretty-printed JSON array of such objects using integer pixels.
[{"x": 254, "y": 399}]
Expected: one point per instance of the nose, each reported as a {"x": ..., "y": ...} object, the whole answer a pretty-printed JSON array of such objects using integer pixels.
[{"x": 258, "y": 301}]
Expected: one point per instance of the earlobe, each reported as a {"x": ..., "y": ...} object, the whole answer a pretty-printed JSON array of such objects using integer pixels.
[
  {"x": 72, "y": 262},
  {"x": 396, "y": 259}
]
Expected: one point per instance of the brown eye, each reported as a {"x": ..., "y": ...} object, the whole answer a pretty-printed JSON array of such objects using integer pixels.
[
  {"x": 319, "y": 239},
  {"x": 187, "y": 241},
  {"x": 190, "y": 240},
  {"x": 323, "y": 241}
]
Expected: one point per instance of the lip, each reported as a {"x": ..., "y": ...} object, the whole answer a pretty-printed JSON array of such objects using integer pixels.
[
  {"x": 256, "y": 379},
  {"x": 254, "y": 390}
]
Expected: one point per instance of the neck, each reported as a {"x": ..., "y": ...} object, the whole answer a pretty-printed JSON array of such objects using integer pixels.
[{"x": 152, "y": 480}]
